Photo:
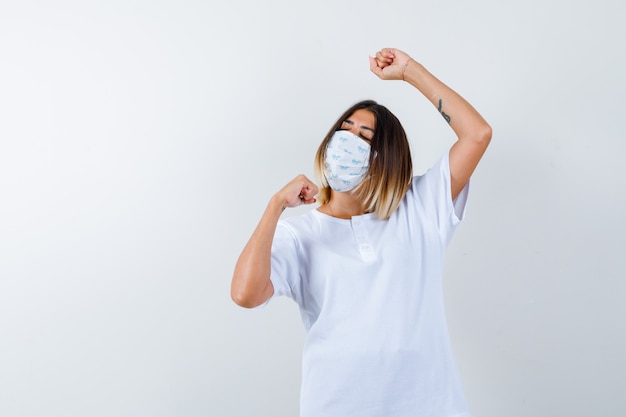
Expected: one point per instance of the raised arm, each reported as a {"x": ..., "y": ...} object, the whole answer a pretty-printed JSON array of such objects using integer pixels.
[
  {"x": 251, "y": 285},
  {"x": 472, "y": 131}
]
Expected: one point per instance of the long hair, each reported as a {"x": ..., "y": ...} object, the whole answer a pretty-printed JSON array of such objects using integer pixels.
[{"x": 390, "y": 164}]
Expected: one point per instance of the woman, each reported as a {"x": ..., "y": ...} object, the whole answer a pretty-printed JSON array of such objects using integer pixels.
[{"x": 366, "y": 266}]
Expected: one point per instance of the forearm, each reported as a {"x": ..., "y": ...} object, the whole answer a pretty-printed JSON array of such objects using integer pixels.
[
  {"x": 251, "y": 283},
  {"x": 466, "y": 122}
]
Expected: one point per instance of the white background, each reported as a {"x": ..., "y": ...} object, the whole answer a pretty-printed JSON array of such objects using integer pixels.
[{"x": 141, "y": 140}]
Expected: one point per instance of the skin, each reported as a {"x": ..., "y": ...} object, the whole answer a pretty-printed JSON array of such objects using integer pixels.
[{"x": 251, "y": 285}]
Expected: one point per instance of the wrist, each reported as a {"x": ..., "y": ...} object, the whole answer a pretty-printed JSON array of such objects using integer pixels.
[
  {"x": 277, "y": 203},
  {"x": 414, "y": 72},
  {"x": 404, "y": 67}
]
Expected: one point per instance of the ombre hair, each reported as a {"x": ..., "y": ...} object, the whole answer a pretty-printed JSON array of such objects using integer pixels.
[{"x": 390, "y": 164}]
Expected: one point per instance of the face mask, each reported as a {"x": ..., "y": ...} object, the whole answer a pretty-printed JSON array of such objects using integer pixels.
[{"x": 347, "y": 160}]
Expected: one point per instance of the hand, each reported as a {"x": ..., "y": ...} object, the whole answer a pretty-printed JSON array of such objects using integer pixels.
[
  {"x": 300, "y": 190},
  {"x": 389, "y": 64}
]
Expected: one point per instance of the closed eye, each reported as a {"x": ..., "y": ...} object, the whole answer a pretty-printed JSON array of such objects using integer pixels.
[
  {"x": 365, "y": 132},
  {"x": 361, "y": 135}
]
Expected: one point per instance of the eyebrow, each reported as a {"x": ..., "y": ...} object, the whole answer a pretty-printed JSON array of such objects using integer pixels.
[{"x": 350, "y": 122}]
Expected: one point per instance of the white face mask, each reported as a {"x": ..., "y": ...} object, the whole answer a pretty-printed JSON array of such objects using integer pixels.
[{"x": 347, "y": 160}]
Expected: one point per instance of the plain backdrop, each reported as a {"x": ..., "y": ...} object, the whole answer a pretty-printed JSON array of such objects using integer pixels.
[{"x": 141, "y": 140}]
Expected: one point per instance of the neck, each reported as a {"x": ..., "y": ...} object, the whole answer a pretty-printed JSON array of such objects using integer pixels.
[{"x": 344, "y": 205}]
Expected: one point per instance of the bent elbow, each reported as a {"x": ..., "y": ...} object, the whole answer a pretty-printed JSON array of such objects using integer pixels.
[
  {"x": 247, "y": 298},
  {"x": 485, "y": 134},
  {"x": 242, "y": 299},
  {"x": 478, "y": 137}
]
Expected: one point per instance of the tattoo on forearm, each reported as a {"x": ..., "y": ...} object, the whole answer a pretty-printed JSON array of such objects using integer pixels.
[{"x": 440, "y": 108}]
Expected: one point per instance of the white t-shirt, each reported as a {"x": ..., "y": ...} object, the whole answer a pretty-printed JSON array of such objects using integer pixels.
[{"x": 370, "y": 295}]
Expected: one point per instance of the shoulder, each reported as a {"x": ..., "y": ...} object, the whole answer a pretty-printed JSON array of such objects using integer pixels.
[
  {"x": 298, "y": 224},
  {"x": 441, "y": 168},
  {"x": 433, "y": 169},
  {"x": 432, "y": 188},
  {"x": 437, "y": 176}
]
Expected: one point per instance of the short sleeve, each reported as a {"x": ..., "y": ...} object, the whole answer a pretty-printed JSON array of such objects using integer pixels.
[
  {"x": 434, "y": 191},
  {"x": 284, "y": 262}
]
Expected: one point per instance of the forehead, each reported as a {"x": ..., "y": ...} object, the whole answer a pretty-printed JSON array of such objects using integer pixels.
[{"x": 363, "y": 117}]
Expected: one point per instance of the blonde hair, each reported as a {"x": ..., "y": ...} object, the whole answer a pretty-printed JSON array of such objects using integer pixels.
[{"x": 391, "y": 169}]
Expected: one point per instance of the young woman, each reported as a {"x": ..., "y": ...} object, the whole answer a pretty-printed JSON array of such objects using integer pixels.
[{"x": 366, "y": 266}]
